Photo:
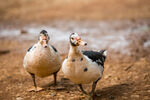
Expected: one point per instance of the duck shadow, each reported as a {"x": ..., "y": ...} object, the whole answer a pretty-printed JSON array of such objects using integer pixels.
[
  {"x": 112, "y": 92},
  {"x": 108, "y": 93},
  {"x": 63, "y": 85}
]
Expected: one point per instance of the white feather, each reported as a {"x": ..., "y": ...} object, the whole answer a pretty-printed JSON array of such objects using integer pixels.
[{"x": 105, "y": 53}]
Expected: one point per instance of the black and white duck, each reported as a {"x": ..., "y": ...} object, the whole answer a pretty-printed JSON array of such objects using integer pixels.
[
  {"x": 83, "y": 67},
  {"x": 42, "y": 60}
]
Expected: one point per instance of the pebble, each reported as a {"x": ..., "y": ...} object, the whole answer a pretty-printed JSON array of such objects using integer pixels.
[
  {"x": 107, "y": 76},
  {"x": 62, "y": 97},
  {"x": 148, "y": 91},
  {"x": 19, "y": 98},
  {"x": 47, "y": 96},
  {"x": 98, "y": 95},
  {"x": 60, "y": 88},
  {"x": 125, "y": 97},
  {"x": 135, "y": 96},
  {"x": 17, "y": 95},
  {"x": 53, "y": 94},
  {"x": 111, "y": 97},
  {"x": 22, "y": 31},
  {"x": 147, "y": 86},
  {"x": 146, "y": 97},
  {"x": 118, "y": 78},
  {"x": 33, "y": 97}
]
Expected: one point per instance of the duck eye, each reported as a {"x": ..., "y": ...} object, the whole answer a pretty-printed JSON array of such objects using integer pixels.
[{"x": 72, "y": 38}]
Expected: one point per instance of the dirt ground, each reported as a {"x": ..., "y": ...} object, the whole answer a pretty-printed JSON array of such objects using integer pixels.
[
  {"x": 25, "y": 11},
  {"x": 123, "y": 79}
]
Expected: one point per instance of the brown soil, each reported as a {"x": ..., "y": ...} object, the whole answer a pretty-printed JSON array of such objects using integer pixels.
[
  {"x": 40, "y": 11},
  {"x": 123, "y": 79}
]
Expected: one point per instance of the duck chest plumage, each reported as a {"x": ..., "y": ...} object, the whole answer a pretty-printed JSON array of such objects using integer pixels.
[
  {"x": 80, "y": 69},
  {"x": 83, "y": 67},
  {"x": 42, "y": 61}
]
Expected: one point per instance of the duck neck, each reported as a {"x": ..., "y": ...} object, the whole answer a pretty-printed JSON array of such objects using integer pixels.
[{"x": 74, "y": 50}]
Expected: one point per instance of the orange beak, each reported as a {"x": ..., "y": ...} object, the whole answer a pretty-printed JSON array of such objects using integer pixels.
[
  {"x": 44, "y": 41},
  {"x": 80, "y": 42}
]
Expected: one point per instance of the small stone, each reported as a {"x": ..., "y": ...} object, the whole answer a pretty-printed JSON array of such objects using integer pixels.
[
  {"x": 33, "y": 97},
  {"x": 98, "y": 95},
  {"x": 17, "y": 95},
  {"x": 147, "y": 86},
  {"x": 19, "y": 98},
  {"x": 125, "y": 93},
  {"x": 107, "y": 76},
  {"x": 125, "y": 97},
  {"x": 48, "y": 96},
  {"x": 60, "y": 88},
  {"x": 82, "y": 97},
  {"x": 67, "y": 92},
  {"x": 127, "y": 68},
  {"x": 22, "y": 31},
  {"x": 53, "y": 94},
  {"x": 61, "y": 97},
  {"x": 112, "y": 97},
  {"x": 135, "y": 96},
  {"x": 62, "y": 79},
  {"x": 146, "y": 97},
  {"x": 148, "y": 91}
]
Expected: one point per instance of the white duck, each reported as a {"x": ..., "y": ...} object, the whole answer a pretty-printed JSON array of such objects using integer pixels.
[
  {"x": 83, "y": 67},
  {"x": 42, "y": 60}
]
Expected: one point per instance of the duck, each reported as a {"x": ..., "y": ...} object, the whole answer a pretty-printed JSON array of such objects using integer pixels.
[
  {"x": 42, "y": 60},
  {"x": 83, "y": 67}
]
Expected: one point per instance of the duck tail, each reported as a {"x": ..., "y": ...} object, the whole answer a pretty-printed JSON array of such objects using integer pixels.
[{"x": 103, "y": 52}]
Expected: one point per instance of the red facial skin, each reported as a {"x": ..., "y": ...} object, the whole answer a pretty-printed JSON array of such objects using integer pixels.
[{"x": 44, "y": 41}]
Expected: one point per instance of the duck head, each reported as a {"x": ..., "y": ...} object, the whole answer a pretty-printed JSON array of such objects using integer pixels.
[
  {"x": 44, "y": 38},
  {"x": 75, "y": 40}
]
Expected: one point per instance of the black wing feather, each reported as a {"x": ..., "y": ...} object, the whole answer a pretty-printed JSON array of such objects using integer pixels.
[
  {"x": 54, "y": 48},
  {"x": 97, "y": 57},
  {"x": 30, "y": 48}
]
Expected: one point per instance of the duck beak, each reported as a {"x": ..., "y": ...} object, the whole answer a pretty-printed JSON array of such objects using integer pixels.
[
  {"x": 45, "y": 43},
  {"x": 80, "y": 42},
  {"x": 83, "y": 43}
]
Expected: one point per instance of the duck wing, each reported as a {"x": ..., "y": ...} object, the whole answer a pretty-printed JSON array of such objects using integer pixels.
[
  {"x": 95, "y": 56},
  {"x": 54, "y": 48},
  {"x": 29, "y": 49}
]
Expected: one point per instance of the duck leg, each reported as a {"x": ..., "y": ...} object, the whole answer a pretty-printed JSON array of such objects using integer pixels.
[
  {"x": 55, "y": 78},
  {"x": 35, "y": 88},
  {"x": 81, "y": 88},
  {"x": 33, "y": 78},
  {"x": 92, "y": 93}
]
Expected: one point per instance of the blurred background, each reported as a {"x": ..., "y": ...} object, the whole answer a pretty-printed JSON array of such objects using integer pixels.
[{"x": 122, "y": 27}]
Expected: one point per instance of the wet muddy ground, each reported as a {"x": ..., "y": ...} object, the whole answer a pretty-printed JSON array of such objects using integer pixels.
[{"x": 127, "y": 68}]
